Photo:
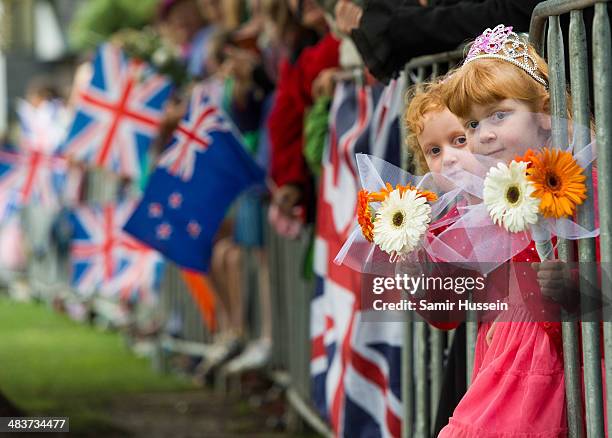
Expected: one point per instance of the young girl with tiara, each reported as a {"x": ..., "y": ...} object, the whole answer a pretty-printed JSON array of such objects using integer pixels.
[{"x": 501, "y": 95}]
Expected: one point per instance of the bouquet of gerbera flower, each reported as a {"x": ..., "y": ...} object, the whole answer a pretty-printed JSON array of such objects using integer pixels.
[
  {"x": 549, "y": 182},
  {"x": 401, "y": 220},
  {"x": 397, "y": 214},
  {"x": 534, "y": 197}
]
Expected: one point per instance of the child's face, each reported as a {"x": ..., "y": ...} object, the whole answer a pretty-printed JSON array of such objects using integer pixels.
[
  {"x": 505, "y": 129},
  {"x": 445, "y": 146}
]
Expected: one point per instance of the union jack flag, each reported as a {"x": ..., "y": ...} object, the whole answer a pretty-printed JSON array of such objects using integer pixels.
[
  {"x": 106, "y": 259},
  {"x": 31, "y": 176},
  {"x": 192, "y": 137},
  {"x": 384, "y": 135},
  {"x": 41, "y": 175},
  {"x": 140, "y": 281},
  {"x": 355, "y": 363},
  {"x": 118, "y": 114}
]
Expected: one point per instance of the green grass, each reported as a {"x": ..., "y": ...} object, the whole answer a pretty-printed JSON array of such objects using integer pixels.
[{"x": 52, "y": 365}]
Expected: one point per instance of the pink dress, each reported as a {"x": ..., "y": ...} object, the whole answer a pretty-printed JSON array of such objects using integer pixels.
[{"x": 518, "y": 387}]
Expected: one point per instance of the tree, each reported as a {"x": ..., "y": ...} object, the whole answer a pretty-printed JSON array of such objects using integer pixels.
[{"x": 97, "y": 20}]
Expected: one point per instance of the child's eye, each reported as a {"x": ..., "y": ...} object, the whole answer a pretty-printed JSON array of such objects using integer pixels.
[
  {"x": 435, "y": 150},
  {"x": 499, "y": 115},
  {"x": 472, "y": 124},
  {"x": 460, "y": 141}
]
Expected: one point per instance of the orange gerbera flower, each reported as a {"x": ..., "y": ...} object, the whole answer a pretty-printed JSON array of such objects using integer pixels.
[
  {"x": 559, "y": 182},
  {"x": 527, "y": 158},
  {"x": 364, "y": 215},
  {"x": 382, "y": 195}
]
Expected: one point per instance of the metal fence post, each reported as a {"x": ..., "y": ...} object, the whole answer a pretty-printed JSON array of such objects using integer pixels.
[
  {"x": 586, "y": 247},
  {"x": 602, "y": 86}
]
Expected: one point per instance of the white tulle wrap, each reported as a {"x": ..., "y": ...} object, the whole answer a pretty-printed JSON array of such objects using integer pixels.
[{"x": 363, "y": 256}]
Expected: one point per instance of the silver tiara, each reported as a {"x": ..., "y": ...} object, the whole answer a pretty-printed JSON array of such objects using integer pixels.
[{"x": 502, "y": 43}]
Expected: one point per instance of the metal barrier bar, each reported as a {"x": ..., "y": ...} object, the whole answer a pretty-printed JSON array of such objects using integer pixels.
[
  {"x": 435, "y": 70},
  {"x": 437, "y": 337},
  {"x": 291, "y": 299},
  {"x": 177, "y": 301},
  {"x": 437, "y": 340},
  {"x": 408, "y": 332},
  {"x": 572, "y": 378},
  {"x": 307, "y": 414},
  {"x": 102, "y": 186},
  {"x": 279, "y": 323},
  {"x": 422, "y": 387},
  {"x": 420, "y": 77},
  {"x": 552, "y": 8},
  {"x": 586, "y": 247},
  {"x": 580, "y": 102},
  {"x": 425, "y": 61},
  {"x": 408, "y": 377},
  {"x": 557, "y": 84},
  {"x": 602, "y": 86}
]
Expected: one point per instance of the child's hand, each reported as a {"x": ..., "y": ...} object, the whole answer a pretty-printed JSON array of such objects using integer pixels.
[{"x": 556, "y": 283}]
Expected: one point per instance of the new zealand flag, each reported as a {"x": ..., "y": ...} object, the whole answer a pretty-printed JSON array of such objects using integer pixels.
[{"x": 203, "y": 170}]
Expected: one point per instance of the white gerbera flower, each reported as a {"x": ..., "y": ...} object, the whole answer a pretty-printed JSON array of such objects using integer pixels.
[
  {"x": 401, "y": 221},
  {"x": 507, "y": 196}
]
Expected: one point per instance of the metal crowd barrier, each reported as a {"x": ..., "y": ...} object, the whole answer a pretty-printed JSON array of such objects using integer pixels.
[
  {"x": 551, "y": 12},
  {"x": 291, "y": 297},
  {"x": 183, "y": 330}
]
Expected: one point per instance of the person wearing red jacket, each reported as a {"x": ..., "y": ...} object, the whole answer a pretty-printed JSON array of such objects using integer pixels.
[{"x": 288, "y": 169}]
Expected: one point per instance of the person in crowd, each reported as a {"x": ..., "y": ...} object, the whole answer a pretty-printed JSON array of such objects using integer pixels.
[
  {"x": 239, "y": 58},
  {"x": 183, "y": 23},
  {"x": 294, "y": 194},
  {"x": 389, "y": 33}
]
